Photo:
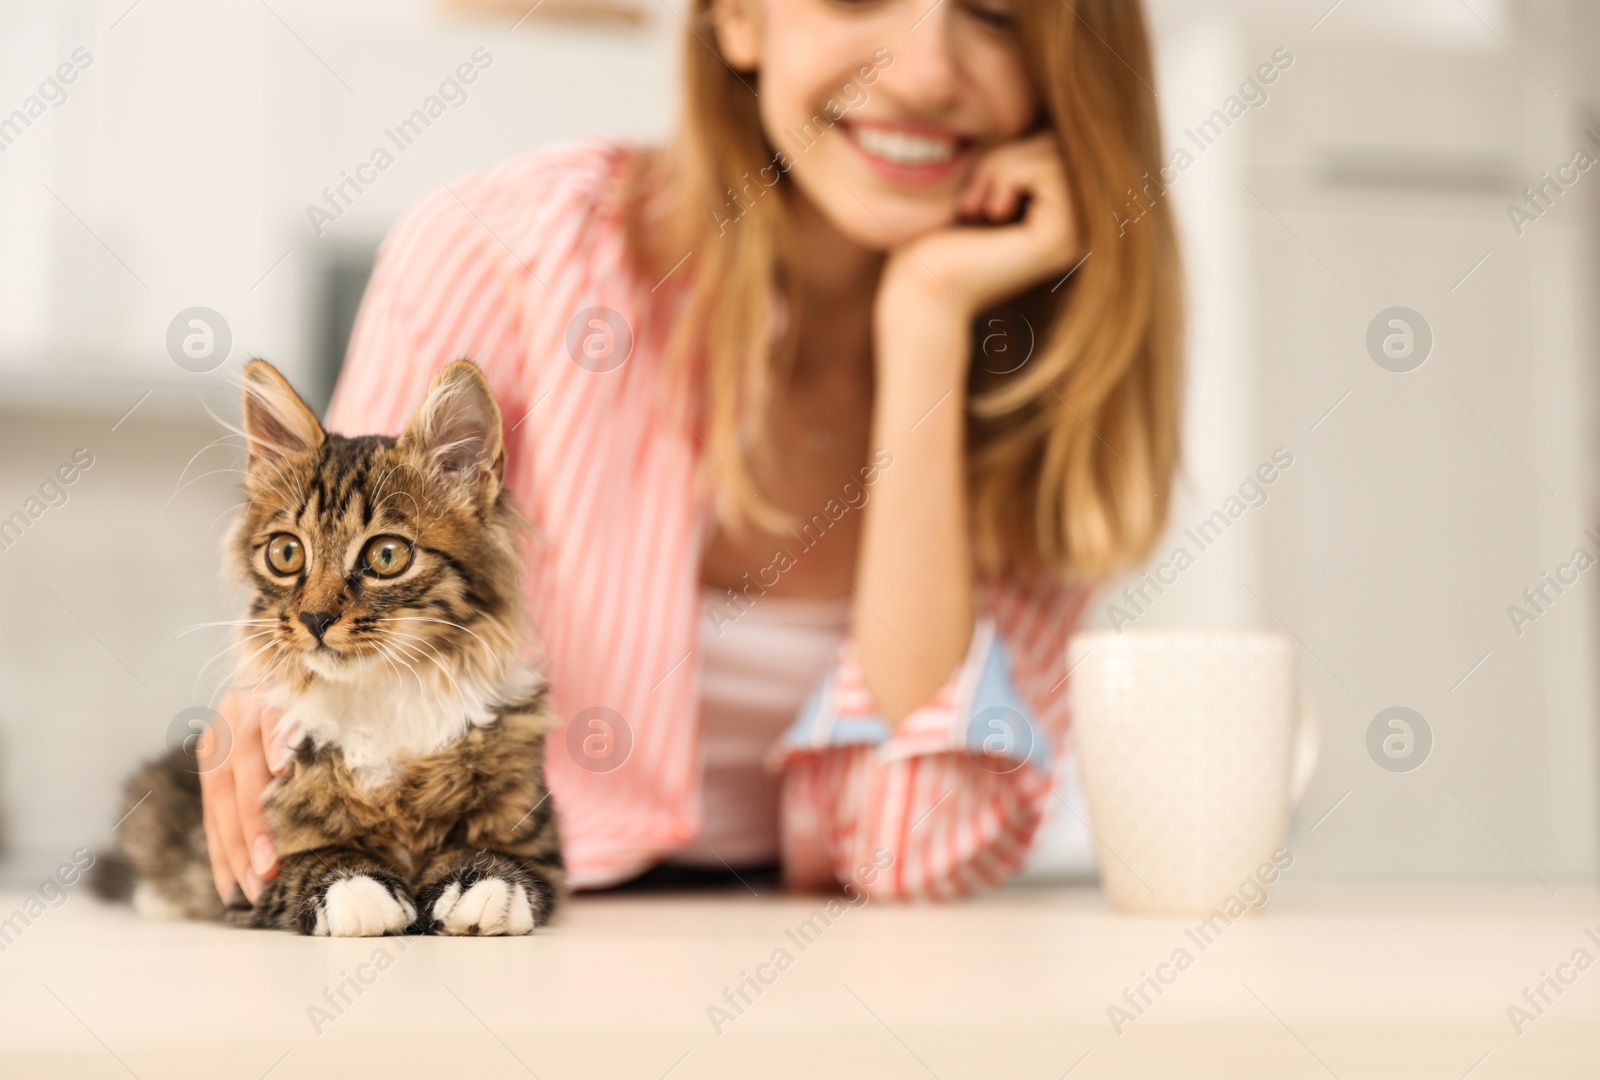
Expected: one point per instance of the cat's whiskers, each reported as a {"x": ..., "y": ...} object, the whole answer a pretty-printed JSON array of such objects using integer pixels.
[
  {"x": 245, "y": 663},
  {"x": 280, "y": 660},
  {"x": 394, "y": 672},
  {"x": 219, "y": 517},
  {"x": 435, "y": 649},
  {"x": 393, "y": 633},
  {"x": 220, "y": 653},
  {"x": 277, "y": 661},
  {"x": 218, "y": 441},
  {"x": 225, "y": 622},
  {"x": 384, "y": 651},
  {"x": 446, "y": 622},
  {"x": 234, "y": 644},
  {"x": 275, "y": 466},
  {"x": 181, "y": 488},
  {"x": 242, "y": 469},
  {"x": 413, "y": 651}
]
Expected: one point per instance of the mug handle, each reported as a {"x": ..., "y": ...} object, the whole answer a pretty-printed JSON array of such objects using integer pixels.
[{"x": 1307, "y": 748}]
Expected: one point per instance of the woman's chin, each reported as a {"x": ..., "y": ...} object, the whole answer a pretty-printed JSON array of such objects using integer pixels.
[
  {"x": 869, "y": 212},
  {"x": 888, "y": 223}
]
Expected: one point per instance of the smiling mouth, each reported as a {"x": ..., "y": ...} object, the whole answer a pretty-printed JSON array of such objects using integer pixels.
[{"x": 904, "y": 148}]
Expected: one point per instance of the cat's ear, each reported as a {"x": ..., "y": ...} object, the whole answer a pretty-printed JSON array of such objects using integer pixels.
[
  {"x": 276, "y": 421},
  {"x": 457, "y": 429}
]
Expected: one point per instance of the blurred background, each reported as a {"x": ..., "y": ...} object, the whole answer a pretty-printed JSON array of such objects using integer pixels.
[{"x": 1392, "y": 261}]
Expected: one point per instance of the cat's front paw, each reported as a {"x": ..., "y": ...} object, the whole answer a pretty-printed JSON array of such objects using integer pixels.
[
  {"x": 362, "y": 906},
  {"x": 477, "y": 904}
]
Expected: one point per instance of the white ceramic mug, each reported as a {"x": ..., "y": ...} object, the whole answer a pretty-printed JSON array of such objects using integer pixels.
[{"x": 1195, "y": 745}]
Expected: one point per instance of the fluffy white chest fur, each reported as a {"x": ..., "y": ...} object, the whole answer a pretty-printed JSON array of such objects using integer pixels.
[{"x": 379, "y": 720}]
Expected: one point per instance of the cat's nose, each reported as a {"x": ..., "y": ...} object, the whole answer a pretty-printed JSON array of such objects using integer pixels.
[{"x": 319, "y": 621}]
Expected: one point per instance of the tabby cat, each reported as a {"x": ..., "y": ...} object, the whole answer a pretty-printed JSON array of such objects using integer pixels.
[{"x": 384, "y": 623}]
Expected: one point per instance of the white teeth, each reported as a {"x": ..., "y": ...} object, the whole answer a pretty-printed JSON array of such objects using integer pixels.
[{"x": 900, "y": 148}]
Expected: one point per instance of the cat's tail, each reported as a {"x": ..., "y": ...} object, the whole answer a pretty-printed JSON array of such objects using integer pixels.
[
  {"x": 111, "y": 877},
  {"x": 160, "y": 860}
]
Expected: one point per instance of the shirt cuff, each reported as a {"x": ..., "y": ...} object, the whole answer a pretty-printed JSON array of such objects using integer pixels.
[{"x": 980, "y": 711}]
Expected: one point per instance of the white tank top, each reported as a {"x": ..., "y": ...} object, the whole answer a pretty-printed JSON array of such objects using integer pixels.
[{"x": 757, "y": 666}]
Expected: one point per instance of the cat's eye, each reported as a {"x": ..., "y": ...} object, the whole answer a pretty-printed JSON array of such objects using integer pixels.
[
  {"x": 386, "y": 556},
  {"x": 285, "y": 554}
]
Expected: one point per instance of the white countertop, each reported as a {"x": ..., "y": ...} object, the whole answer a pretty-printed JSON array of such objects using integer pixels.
[{"x": 1344, "y": 980}]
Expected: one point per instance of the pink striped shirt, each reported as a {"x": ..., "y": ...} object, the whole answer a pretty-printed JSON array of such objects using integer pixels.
[{"x": 511, "y": 267}]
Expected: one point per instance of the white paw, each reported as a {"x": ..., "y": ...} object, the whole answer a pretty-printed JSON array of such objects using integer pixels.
[
  {"x": 360, "y": 906},
  {"x": 152, "y": 905},
  {"x": 492, "y": 906}
]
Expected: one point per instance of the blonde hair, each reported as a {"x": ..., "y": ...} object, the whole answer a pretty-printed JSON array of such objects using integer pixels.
[{"x": 1071, "y": 456}]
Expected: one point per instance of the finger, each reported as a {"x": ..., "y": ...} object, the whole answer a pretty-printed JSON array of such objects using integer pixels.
[
  {"x": 250, "y": 779},
  {"x": 995, "y": 165},
  {"x": 1005, "y": 198},
  {"x": 1047, "y": 217},
  {"x": 1014, "y": 171},
  {"x": 1038, "y": 171},
  {"x": 215, "y": 788},
  {"x": 970, "y": 204},
  {"x": 275, "y": 734},
  {"x": 221, "y": 875},
  {"x": 228, "y": 837}
]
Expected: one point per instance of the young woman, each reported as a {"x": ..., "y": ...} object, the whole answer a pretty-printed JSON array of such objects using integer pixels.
[{"x": 827, "y": 416}]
